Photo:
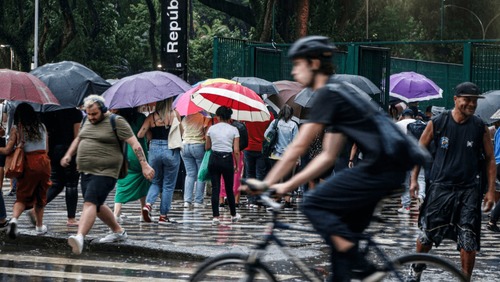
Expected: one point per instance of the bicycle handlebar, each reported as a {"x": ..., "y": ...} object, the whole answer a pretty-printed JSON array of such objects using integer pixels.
[{"x": 256, "y": 185}]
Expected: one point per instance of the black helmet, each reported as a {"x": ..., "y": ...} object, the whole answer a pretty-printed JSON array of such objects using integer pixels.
[{"x": 311, "y": 47}]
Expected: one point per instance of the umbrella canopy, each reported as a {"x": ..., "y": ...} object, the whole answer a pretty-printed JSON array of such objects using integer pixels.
[
  {"x": 183, "y": 103},
  {"x": 24, "y": 87},
  {"x": 246, "y": 104},
  {"x": 287, "y": 90},
  {"x": 144, "y": 88},
  {"x": 70, "y": 82},
  {"x": 413, "y": 87},
  {"x": 361, "y": 82},
  {"x": 487, "y": 107},
  {"x": 258, "y": 85}
]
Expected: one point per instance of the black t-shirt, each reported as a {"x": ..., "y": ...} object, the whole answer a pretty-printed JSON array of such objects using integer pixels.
[
  {"x": 338, "y": 115},
  {"x": 60, "y": 125}
]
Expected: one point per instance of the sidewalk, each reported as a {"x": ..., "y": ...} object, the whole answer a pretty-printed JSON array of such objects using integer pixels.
[{"x": 192, "y": 238}]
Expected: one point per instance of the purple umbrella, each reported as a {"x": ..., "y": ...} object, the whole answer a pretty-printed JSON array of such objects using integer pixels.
[
  {"x": 413, "y": 87},
  {"x": 144, "y": 88}
]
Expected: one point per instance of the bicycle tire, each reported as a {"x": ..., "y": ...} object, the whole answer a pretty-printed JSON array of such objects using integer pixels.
[
  {"x": 231, "y": 267},
  {"x": 437, "y": 269}
]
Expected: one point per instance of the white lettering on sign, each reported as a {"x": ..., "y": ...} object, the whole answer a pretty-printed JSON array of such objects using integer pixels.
[{"x": 173, "y": 16}]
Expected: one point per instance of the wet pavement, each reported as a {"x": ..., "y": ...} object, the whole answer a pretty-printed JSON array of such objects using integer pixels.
[{"x": 193, "y": 237}]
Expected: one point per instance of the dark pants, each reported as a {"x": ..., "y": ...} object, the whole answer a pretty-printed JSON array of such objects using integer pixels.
[
  {"x": 63, "y": 177},
  {"x": 255, "y": 167},
  {"x": 221, "y": 163},
  {"x": 96, "y": 188},
  {"x": 343, "y": 206}
]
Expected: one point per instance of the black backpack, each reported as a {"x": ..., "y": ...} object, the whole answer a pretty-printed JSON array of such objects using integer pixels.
[
  {"x": 242, "y": 129},
  {"x": 416, "y": 128}
]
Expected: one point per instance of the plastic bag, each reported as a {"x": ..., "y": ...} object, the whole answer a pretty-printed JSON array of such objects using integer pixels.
[{"x": 203, "y": 174}]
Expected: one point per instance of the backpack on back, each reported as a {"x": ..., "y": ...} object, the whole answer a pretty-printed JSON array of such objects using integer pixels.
[
  {"x": 242, "y": 129},
  {"x": 416, "y": 128}
]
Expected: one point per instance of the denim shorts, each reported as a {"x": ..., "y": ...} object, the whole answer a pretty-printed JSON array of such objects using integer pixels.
[{"x": 96, "y": 188}]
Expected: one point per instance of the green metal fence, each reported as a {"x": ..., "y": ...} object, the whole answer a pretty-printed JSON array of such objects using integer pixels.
[{"x": 481, "y": 64}]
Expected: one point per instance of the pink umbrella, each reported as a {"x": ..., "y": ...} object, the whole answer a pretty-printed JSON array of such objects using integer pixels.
[
  {"x": 246, "y": 104},
  {"x": 25, "y": 87},
  {"x": 184, "y": 105}
]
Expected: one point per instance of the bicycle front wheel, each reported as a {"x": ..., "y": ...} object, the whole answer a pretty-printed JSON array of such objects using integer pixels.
[
  {"x": 232, "y": 267},
  {"x": 424, "y": 267}
]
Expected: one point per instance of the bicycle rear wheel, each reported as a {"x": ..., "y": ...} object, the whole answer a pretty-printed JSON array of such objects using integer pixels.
[
  {"x": 232, "y": 267},
  {"x": 432, "y": 269}
]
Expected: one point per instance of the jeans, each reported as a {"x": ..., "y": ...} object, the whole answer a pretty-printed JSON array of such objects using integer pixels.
[
  {"x": 166, "y": 164},
  {"x": 255, "y": 167},
  {"x": 192, "y": 155},
  {"x": 406, "y": 198},
  {"x": 3, "y": 212}
]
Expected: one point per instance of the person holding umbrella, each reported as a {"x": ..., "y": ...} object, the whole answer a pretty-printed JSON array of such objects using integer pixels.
[{"x": 32, "y": 186}]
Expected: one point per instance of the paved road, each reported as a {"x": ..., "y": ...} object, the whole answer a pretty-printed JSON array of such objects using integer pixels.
[{"x": 194, "y": 238}]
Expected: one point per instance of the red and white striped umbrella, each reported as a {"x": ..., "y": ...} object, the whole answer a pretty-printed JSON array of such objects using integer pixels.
[{"x": 245, "y": 103}]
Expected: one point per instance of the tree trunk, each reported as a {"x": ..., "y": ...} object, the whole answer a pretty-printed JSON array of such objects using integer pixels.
[
  {"x": 265, "y": 36},
  {"x": 302, "y": 17},
  {"x": 67, "y": 35},
  {"x": 152, "y": 28},
  {"x": 96, "y": 28}
]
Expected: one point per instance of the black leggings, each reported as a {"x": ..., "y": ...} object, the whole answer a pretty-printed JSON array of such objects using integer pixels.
[{"x": 221, "y": 163}]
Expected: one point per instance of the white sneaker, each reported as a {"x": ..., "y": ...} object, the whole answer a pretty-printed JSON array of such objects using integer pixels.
[
  {"x": 215, "y": 221},
  {"x": 114, "y": 237},
  {"x": 76, "y": 244},
  {"x": 404, "y": 210},
  {"x": 236, "y": 218},
  {"x": 12, "y": 229},
  {"x": 197, "y": 205},
  {"x": 187, "y": 205},
  {"x": 41, "y": 230},
  {"x": 119, "y": 219}
]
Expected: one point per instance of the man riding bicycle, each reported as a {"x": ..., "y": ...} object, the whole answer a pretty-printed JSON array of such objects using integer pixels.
[{"x": 342, "y": 206}]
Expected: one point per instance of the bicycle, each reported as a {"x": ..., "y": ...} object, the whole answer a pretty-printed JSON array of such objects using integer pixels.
[{"x": 249, "y": 267}]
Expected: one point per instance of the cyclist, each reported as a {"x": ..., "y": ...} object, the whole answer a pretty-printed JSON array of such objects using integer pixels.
[{"x": 342, "y": 206}]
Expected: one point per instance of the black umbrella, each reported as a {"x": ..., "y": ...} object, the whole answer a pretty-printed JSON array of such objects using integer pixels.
[
  {"x": 361, "y": 82},
  {"x": 70, "y": 82},
  {"x": 258, "y": 85},
  {"x": 488, "y": 106}
]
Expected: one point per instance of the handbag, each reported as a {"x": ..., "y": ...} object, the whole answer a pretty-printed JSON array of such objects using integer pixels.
[
  {"x": 174, "y": 136},
  {"x": 14, "y": 162},
  {"x": 203, "y": 174},
  {"x": 270, "y": 140}
]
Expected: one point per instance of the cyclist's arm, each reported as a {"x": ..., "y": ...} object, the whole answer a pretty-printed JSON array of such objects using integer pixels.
[
  {"x": 333, "y": 143},
  {"x": 298, "y": 147}
]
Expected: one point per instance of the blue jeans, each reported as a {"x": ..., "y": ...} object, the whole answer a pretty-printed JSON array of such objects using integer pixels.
[
  {"x": 255, "y": 167},
  {"x": 166, "y": 164},
  {"x": 406, "y": 198},
  {"x": 192, "y": 155},
  {"x": 3, "y": 212}
]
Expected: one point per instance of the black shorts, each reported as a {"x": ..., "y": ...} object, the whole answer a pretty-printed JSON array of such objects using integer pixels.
[
  {"x": 96, "y": 188},
  {"x": 2, "y": 157}
]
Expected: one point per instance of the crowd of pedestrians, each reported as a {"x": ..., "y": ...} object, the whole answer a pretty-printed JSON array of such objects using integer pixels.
[{"x": 69, "y": 146}]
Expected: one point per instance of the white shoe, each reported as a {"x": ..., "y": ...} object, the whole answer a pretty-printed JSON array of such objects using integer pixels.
[
  {"x": 186, "y": 205},
  {"x": 12, "y": 228},
  {"x": 41, "y": 230},
  {"x": 215, "y": 221},
  {"x": 114, "y": 237},
  {"x": 236, "y": 218},
  {"x": 76, "y": 244},
  {"x": 196, "y": 205},
  {"x": 119, "y": 219},
  {"x": 404, "y": 210}
]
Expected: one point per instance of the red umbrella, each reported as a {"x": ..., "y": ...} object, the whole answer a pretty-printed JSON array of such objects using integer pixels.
[
  {"x": 246, "y": 104},
  {"x": 25, "y": 87}
]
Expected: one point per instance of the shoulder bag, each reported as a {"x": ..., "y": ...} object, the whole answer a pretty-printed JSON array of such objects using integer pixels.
[
  {"x": 174, "y": 136},
  {"x": 14, "y": 162},
  {"x": 270, "y": 140}
]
